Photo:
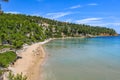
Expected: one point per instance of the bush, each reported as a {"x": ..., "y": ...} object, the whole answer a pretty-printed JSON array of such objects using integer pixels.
[
  {"x": 16, "y": 77},
  {"x": 6, "y": 58},
  {"x": 4, "y": 46}
]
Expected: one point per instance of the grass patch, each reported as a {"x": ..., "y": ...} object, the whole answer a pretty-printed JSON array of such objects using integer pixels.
[
  {"x": 4, "y": 46},
  {"x": 6, "y": 58}
]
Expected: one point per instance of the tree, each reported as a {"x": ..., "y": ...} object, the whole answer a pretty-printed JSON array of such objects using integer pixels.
[{"x": 17, "y": 29}]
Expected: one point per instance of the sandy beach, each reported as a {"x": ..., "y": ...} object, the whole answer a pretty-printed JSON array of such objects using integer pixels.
[{"x": 32, "y": 58}]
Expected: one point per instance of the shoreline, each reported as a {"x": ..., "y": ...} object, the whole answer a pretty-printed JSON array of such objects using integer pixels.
[{"x": 32, "y": 57}]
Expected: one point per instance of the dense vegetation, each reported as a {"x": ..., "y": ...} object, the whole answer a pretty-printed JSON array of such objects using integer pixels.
[
  {"x": 17, "y": 29},
  {"x": 6, "y": 58}
]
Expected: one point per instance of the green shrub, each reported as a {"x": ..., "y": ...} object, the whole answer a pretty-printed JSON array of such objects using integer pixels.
[
  {"x": 16, "y": 77},
  {"x": 6, "y": 58},
  {"x": 4, "y": 46}
]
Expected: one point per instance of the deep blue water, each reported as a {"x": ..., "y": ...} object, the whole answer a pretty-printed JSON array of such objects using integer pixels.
[{"x": 83, "y": 59}]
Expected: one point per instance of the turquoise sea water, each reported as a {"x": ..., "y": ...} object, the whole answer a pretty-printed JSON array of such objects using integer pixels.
[{"x": 83, "y": 59}]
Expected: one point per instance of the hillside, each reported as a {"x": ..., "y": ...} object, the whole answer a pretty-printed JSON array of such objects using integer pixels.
[{"x": 17, "y": 29}]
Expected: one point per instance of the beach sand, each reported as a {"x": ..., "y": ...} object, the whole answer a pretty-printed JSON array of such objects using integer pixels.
[{"x": 32, "y": 58}]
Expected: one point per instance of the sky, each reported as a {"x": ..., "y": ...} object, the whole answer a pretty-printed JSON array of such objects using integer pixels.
[{"x": 105, "y": 13}]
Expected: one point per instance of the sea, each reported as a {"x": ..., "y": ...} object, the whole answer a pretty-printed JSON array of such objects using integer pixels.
[{"x": 82, "y": 59}]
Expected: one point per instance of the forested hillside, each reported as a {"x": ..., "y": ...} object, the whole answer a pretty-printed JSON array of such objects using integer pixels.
[{"x": 17, "y": 29}]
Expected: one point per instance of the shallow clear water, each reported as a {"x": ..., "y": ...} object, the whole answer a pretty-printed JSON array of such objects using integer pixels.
[{"x": 83, "y": 59}]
